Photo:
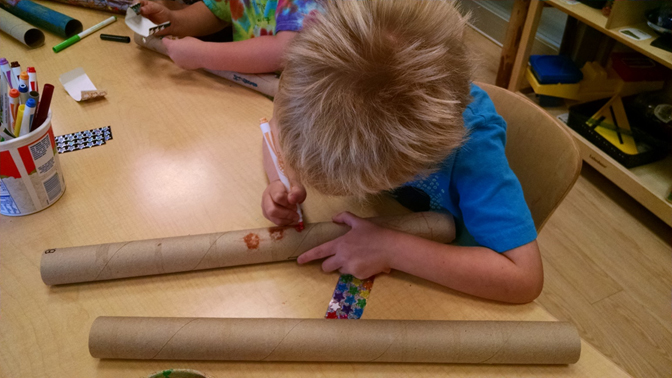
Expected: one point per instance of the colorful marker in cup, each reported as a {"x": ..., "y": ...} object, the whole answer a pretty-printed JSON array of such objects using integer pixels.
[
  {"x": 19, "y": 120},
  {"x": 35, "y": 96},
  {"x": 13, "y": 104},
  {"x": 28, "y": 114},
  {"x": 16, "y": 71},
  {"x": 43, "y": 107},
  {"x": 4, "y": 101},
  {"x": 7, "y": 71},
  {"x": 23, "y": 93},
  {"x": 32, "y": 79},
  {"x": 23, "y": 79}
]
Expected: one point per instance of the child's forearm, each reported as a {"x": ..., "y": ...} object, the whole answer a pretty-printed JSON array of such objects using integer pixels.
[
  {"x": 256, "y": 55},
  {"x": 477, "y": 271},
  {"x": 195, "y": 20}
]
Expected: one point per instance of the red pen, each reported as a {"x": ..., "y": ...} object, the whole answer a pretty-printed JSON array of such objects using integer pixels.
[{"x": 43, "y": 108}]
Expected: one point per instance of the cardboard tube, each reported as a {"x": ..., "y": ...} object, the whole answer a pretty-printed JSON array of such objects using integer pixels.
[
  {"x": 263, "y": 83},
  {"x": 420, "y": 341},
  {"x": 21, "y": 30},
  {"x": 38, "y": 15},
  {"x": 217, "y": 250}
]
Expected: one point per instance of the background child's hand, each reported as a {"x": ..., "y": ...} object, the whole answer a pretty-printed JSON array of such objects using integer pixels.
[
  {"x": 158, "y": 14},
  {"x": 279, "y": 206},
  {"x": 363, "y": 252},
  {"x": 184, "y": 52}
]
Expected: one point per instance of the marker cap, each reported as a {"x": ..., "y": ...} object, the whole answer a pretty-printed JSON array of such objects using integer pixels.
[
  {"x": 70, "y": 41},
  {"x": 115, "y": 38}
]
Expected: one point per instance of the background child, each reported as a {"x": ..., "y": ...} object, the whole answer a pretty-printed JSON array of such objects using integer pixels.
[
  {"x": 376, "y": 96},
  {"x": 261, "y": 31}
]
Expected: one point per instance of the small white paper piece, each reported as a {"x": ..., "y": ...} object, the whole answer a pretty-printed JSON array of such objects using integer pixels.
[
  {"x": 79, "y": 86},
  {"x": 141, "y": 25},
  {"x": 636, "y": 34}
]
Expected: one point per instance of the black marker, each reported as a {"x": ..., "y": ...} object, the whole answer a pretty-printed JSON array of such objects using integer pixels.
[{"x": 115, "y": 38}]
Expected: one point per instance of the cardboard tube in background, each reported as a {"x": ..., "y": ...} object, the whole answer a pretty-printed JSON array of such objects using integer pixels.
[
  {"x": 21, "y": 30},
  {"x": 217, "y": 250},
  {"x": 39, "y": 15},
  {"x": 263, "y": 83},
  {"x": 416, "y": 341}
]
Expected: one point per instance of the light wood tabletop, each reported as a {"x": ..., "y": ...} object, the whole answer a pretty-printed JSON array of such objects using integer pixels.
[{"x": 186, "y": 159}]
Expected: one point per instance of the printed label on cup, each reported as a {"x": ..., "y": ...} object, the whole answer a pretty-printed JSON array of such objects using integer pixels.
[{"x": 30, "y": 172}]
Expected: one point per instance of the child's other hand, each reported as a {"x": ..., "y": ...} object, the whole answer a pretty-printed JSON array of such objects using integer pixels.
[
  {"x": 279, "y": 206},
  {"x": 184, "y": 52},
  {"x": 158, "y": 14},
  {"x": 363, "y": 252}
]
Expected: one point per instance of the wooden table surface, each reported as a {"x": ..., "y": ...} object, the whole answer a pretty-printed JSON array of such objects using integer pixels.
[{"x": 186, "y": 159}]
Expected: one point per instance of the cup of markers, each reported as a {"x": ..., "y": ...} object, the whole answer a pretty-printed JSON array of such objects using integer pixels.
[{"x": 31, "y": 178}]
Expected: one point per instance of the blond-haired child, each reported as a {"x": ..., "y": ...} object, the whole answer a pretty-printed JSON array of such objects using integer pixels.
[
  {"x": 376, "y": 96},
  {"x": 261, "y": 31}
]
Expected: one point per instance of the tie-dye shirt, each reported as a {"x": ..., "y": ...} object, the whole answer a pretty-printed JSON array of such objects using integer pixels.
[{"x": 254, "y": 18}]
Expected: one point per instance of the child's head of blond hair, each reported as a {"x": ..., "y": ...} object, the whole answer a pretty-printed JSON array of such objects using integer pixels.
[{"x": 372, "y": 94}]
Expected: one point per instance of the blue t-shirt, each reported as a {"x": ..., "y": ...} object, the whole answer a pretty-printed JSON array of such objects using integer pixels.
[{"x": 476, "y": 185}]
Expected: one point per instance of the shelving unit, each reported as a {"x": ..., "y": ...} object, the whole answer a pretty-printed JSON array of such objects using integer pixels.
[
  {"x": 650, "y": 183},
  {"x": 644, "y": 183},
  {"x": 624, "y": 14}
]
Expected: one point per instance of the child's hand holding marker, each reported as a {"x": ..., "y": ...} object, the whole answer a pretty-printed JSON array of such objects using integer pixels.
[
  {"x": 281, "y": 201},
  {"x": 279, "y": 206}
]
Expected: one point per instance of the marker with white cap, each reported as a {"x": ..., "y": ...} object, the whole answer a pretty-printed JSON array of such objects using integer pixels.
[{"x": 28, "y": 114}]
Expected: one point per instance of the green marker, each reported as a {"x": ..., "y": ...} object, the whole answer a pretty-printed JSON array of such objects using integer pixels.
[{"x": 76, "y": 38}]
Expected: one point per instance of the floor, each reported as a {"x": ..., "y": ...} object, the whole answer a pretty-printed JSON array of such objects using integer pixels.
[{"x": 607, "y": 263}]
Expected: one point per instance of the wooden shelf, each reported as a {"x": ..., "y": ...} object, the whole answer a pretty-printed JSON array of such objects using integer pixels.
[
  {"x": 648, "y": 184},
  {"x": 581, "y": 12},
  {"x": 595, "y": 18},
  {"x": 659, "y": 55}
]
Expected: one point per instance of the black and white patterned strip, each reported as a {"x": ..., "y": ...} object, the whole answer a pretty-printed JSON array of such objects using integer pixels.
[
  {"x": 97, "y": 138},
  {"x": 83, "y": 139},
  {"x": 105, "y": 131}
]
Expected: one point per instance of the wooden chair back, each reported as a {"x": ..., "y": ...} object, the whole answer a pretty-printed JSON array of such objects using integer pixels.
[{"x": 540, "y": 151}]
